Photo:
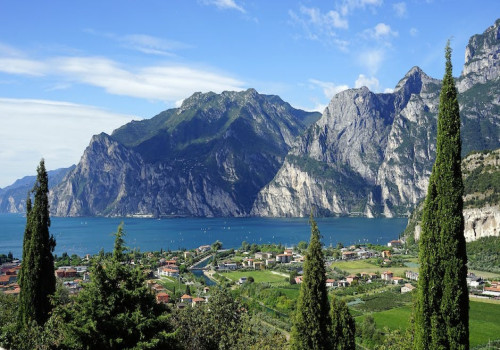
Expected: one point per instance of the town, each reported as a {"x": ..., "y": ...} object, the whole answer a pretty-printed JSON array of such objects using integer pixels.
[{"x": 183, "y": 277}]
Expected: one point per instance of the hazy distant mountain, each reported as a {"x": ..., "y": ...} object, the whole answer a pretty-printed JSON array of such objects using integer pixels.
[
  {"x": 13, "y": 197},
  {"x": 371, "y": 154},
  {"x": 210, "y": 157}
]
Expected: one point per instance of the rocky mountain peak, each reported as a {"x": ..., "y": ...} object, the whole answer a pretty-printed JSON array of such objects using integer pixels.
[
  {"x": 415, "y": 81},
  {"x": 481, "y": 58}
]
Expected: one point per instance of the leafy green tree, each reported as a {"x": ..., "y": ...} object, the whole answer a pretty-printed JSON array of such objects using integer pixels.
[
  {"x": 218, "y": 324},
  {"x": 312, "y": 323},
  {"x": 245, "y": 246},
  {"x": 302, "y": 245},
  {"x": 36, "y": 277},
  {"x": 442, "y": 306},
  {"x": 116, "y": 310},
  {"x": 217, "y": 245},
  {"x": 343, "y": 326}
]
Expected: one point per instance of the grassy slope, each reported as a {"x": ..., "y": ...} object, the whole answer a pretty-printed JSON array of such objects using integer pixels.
[
  {"x": 483, "y": 320},
  {"x": 260, "y": 276}
]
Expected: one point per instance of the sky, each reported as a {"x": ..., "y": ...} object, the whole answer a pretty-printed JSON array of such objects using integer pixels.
[{"x": 73, "y": 69}]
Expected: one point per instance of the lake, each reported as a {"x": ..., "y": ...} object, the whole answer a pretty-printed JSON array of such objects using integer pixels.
[{"x": 89, "y": 235}]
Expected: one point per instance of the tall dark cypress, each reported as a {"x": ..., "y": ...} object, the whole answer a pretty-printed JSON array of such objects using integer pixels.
[
  {"x": 343, "y": 326},
  {"x": 442, "y": 307},
  {"x": 37, "y": 279},
  {"x": 312, "y": 323}
]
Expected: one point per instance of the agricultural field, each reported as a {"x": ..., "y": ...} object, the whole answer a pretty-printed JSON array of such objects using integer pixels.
[
  {"x": 483, "y": 320},
  {"x": 259, "y": 276},
  {"x": 368, "y": 265}
]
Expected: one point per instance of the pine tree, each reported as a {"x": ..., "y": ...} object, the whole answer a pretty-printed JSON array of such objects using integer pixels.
[
  {"x": 343, "y": 326},
  {"x": 312, "y": 323},
  {"x": 36, "y": 278},
  {"x": 115, "y": 310},
  {"x": 442, "y": 306}
]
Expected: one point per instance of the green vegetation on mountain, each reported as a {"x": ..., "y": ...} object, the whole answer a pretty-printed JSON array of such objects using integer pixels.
[
  {"x": 442, "y": 314},
  {"x": 481, "y": 179},
  {"x": 484, "y": 255},
  {"x": 209, "y": 157},
  {"x": 481, "y": 171},
  {"x": 480, "y": 133}
]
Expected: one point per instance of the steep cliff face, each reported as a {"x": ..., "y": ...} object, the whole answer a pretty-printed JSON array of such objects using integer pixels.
[
  {"x": 372, "y": 154},
  {"x": 481, "y": 58},
  {"x": 210, "y": 157},
  {"x": 368, "y": 154},
  {"x": 481, "y": 222},
  {"x": 481, "y": 175}
]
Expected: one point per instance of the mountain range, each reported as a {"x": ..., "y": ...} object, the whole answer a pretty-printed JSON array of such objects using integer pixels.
[{"x": 248, "y": 154}]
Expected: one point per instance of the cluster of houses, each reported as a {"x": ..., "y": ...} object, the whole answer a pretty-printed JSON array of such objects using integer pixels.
[
  {"x": 262, "y": 260},
  {"x": 479, "y": 286},
  {"x": 73, "y": 277},
  {"x": 354, "y": 252},
  {"x": 8, "y": 277},
  {"x": 366, "y": 277},
  {"x": 168, "y": 267},
  {"x": 162, "y": 297}
]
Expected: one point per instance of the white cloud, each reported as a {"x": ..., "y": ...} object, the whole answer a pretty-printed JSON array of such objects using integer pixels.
[
  {"x": 321, "y": 26},
  {"x": 329, "y": 89},
  {"x": 349, "y": 6},
  {"x": 400, "y": 9},
  {"x": 371, "y": 83},
  {"x": 143, "y": 43},
  {"x": 319, "y": 108},
  {"x": 372, "y": 59},
  {"x": 166, "y": 82},
  {"x": 56, "y": 131},
  {"x": 225, "y": 5},
  {"x": 325, "y": 22},
  {"x": 22, "y": 66},
  {"x": 413, "y": 32},
  {"x": 381, "y": 31}
]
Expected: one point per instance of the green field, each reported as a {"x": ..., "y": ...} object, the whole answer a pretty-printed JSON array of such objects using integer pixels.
[
  {"x": 484, "y": 322},
  {"x": 358, "y": 266},
  {"x": 171, "y": 283},
  {"x": 259, "y": 276}
]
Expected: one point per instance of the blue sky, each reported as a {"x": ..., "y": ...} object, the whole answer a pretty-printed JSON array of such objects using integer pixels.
[{"x": 72, "y": 69}]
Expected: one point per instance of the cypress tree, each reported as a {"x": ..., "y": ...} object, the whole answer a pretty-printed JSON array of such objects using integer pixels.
[
  {"x": 442, "y": 306},
  {"x": 343, "y": 326},
  {"x": 312, "y": 323},
  {"x": 36, "y": 278}
]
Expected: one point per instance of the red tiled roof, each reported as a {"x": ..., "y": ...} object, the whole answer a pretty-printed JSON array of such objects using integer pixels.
[{"x": 4, "y": 278}]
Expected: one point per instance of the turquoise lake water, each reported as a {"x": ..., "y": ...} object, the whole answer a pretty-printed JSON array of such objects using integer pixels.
[{"x": 89, "y": 235}]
